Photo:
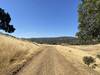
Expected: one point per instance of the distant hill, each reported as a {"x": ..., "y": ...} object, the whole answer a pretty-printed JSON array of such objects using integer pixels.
[
  {"x": 49, "y": 40},
  {"x": 54, "y": 40}
]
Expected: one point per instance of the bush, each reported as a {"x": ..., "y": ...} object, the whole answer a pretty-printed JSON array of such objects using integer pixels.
[
  {"x": 98, "y": 56},
  {"x": 88, "y": 60},
  {"x": 94, "y": 66}
]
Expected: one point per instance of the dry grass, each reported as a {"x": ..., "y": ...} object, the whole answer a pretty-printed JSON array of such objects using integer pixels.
[
  {"x": 75, "y": 55},
  {"x": 14, "y": 52},
  {"x": 93, "y": 49}
]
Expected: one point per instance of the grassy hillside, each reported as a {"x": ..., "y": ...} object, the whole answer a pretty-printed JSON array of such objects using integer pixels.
[
  {"x": 14, "y": 53},
  {"x": 75, "y": 55}
]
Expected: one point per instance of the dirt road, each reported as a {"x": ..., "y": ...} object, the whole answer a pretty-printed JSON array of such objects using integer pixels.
[{"x": 50, "y": 62}]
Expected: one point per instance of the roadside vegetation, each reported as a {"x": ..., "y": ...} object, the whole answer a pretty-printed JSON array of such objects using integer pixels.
[
  {"x": 89, "y": 21},
  {"x": 89, "y": 60},
  {"x": 14, "y": 54}
]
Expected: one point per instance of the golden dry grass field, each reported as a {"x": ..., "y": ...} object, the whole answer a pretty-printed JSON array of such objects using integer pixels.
[
  {"x": 14, "y": 53},
  {"x": 19, "y": 57},
  {"x": 76, "y": 53}
]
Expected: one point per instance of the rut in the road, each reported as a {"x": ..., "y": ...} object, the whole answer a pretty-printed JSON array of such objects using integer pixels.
[{"x": 51, "y": 62}]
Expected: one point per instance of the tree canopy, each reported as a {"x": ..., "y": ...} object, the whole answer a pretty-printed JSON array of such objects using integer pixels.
[
  {"x": 5, "y": 21},
  {"x": 89, "y": 20}
]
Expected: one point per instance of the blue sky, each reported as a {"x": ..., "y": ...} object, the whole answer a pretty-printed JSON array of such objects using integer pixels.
[{"x": 42, "y": 18}]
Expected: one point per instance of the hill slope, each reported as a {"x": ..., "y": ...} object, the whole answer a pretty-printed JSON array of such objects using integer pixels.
[{"x": 14, "y": 53}]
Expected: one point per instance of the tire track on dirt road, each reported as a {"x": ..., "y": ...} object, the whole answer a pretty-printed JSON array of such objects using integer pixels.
[{"x": 50, "y": 62}]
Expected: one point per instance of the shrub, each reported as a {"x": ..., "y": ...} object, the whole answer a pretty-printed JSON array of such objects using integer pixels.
[
  {"x": 88, "y": 60},
  {"x": 98, "y": 56},
  {"x": 94, "y": 66}
]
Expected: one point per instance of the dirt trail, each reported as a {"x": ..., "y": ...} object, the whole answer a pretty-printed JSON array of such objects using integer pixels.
[{"x": 50, "y": 62}]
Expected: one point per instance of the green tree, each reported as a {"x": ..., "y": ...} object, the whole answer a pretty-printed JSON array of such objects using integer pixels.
[
  {"x": 89, "y": 20},
  {"x": 5, "y": 21}
]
